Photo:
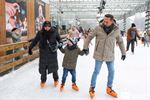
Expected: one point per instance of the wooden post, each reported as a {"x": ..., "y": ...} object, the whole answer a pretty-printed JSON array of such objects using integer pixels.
[
  {"x": 47, "y": 7},
  {"x": 2, "y": 22},
  {"x": 30, "y": 18},
  {"x": 3, "y": 25},
  {"x": 50, "y": 12}
]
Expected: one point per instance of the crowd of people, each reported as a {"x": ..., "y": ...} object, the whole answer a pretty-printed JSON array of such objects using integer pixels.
[{"x": 107, "y": 34}]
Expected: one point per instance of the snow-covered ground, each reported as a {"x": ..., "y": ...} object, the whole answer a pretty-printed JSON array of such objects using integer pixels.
[{"x": 132, "y": 80}]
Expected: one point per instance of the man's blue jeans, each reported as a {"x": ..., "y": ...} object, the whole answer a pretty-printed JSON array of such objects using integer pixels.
[
  {"x": 98, "y": 65},
  {"x": 65, "y": 74}
]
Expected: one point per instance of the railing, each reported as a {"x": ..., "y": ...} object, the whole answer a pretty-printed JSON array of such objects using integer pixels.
[{"x": 19, "y": 55}]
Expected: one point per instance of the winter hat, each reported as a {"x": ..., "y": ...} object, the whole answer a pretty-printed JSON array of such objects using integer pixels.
[
  {"x": 14, "y": 29},
  {"x": 73, "y": 41},
  {"x": 73, "y": 46},
  {"x": 47, "y": 23},
  {"x": 133, "y": 25}
]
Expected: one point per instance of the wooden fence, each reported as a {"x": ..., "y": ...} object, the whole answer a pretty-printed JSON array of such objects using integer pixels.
[{"x": 19, "y": 55}]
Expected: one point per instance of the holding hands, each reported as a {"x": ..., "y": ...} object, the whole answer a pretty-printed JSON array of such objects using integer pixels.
[{"x": 86, "y": 51}]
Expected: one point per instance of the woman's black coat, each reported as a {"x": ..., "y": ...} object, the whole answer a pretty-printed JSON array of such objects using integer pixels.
[{"x": 47, "y": 58}]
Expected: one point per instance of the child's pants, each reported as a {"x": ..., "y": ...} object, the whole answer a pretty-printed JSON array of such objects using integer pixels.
[{"x": 65, "y": 74}]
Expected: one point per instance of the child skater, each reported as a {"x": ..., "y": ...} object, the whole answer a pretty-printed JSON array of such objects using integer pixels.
[{"x": 71, "y": 52}]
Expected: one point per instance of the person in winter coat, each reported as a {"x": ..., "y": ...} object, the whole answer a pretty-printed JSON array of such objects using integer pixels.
[
  {"x": 73, "y": 34},
  {"x": 107, "y": 34},
  {"x": 132, "y": 34},
  {"x": 71, "y": 52},
  {"x": 48, "y": 39},
  {"x": 16, "y": 37},
  {"x": 146, "y": 39}
]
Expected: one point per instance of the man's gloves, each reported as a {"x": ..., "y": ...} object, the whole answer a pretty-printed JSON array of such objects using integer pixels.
[
  {"x": 86, "y": 51},
  {"x": 123, "y": 57}
]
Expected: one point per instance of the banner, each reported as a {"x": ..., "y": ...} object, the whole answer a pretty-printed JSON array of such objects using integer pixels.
[
  {"x": 16, "y": 16},
  {"x": 39, "y": 14}
]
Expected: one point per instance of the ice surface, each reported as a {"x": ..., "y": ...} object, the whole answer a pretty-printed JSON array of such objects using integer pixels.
[{"x": 131, "y": 81}]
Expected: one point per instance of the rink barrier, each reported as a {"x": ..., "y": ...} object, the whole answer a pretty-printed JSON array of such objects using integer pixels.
[{"x": 8, "y": 61}]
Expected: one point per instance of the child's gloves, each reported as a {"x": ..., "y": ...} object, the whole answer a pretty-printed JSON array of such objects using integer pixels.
[{"x": 60, "y": 45}]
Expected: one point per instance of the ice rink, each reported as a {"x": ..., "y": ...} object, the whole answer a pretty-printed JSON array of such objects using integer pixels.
[{"x": 131, "y": 81}]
